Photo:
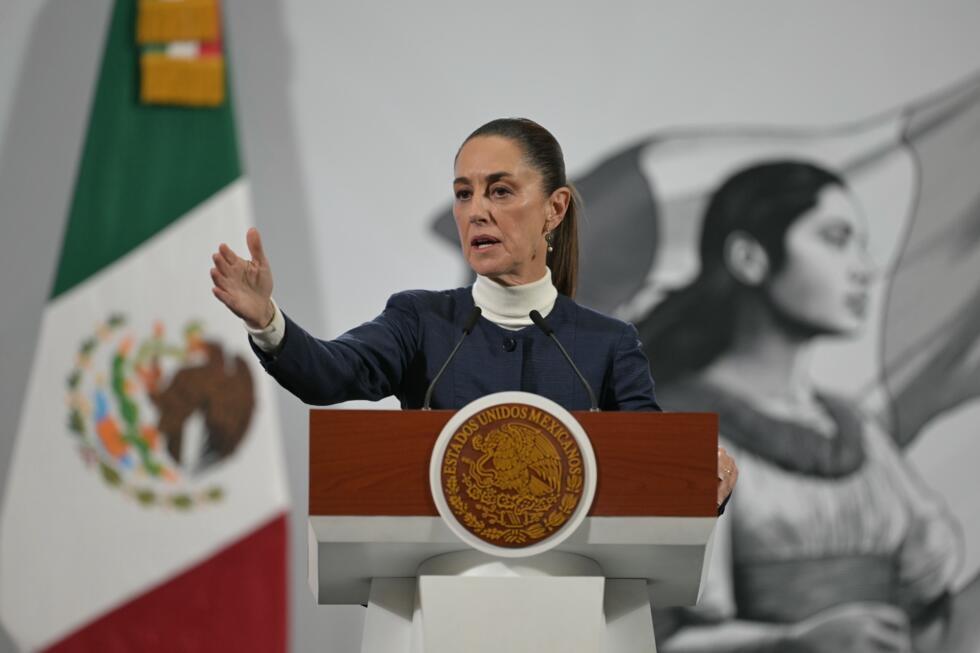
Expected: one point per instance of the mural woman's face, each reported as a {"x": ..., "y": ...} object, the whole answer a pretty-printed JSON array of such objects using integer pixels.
[
  {"x": 501, "y": 211},
  {"x": 824, "y": 281}
]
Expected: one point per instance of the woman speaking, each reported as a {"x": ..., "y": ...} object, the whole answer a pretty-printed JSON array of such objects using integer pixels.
[{"x": 516, "y": 214}]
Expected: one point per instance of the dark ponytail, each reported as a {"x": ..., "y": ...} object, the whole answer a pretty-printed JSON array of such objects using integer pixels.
[{"x": 543, "y": 153}]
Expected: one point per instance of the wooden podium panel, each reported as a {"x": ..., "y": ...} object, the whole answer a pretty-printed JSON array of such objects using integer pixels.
[{"x": 376, "y": 462}]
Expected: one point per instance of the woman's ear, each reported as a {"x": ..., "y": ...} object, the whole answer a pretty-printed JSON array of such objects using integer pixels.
[
  {"x": 746, "y": 259},
  {"x": 557, "y": 208}
]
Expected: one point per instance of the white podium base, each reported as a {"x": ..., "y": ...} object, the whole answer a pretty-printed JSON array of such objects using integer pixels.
[{"x": 467, "y": 601}]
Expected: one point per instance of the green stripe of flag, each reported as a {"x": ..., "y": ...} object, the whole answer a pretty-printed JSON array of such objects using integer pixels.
[{"x": 142, "y": 167}]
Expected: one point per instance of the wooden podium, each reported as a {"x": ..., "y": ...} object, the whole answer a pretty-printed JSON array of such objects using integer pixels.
[{"x": 374, "y": 534}]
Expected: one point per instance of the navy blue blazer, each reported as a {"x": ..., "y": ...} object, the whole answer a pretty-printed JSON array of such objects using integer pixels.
[{"x": 399, "y": 352}]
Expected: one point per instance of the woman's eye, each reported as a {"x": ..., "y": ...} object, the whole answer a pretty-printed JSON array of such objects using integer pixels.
[
  {"x": 499, "y": 191},
  {"x": 837, "y": 236},
  {"x": 462, "y": 194}
]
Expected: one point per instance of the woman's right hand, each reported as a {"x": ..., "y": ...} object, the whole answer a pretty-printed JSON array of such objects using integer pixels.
[
  {"x": 870, "y": 627},
  {"x": 244, "y": 286}
]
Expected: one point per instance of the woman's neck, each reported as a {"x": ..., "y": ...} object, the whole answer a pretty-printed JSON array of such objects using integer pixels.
[
  {"x": 509, "y": 306},
  {"x": 768, "y": 365}
]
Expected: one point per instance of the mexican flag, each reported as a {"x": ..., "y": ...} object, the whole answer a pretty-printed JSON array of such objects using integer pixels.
[{"x": 146, "y": 500}]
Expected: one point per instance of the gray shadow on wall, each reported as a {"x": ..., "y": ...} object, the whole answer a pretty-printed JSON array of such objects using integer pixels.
[
  {"x": 261, "y": 71},
  {"x": 38, "y": 162}
]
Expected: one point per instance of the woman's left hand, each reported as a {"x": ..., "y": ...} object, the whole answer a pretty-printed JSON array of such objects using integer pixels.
[{"x": 727, "y": 475}]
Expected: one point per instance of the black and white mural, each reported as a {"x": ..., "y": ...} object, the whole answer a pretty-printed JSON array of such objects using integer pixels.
[{"x": 819, "y": 289}]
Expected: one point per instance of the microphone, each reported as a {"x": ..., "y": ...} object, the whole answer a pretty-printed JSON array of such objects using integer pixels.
[
  {"x": 548, "y": 331},
  {"x": 467, "y": 327}
]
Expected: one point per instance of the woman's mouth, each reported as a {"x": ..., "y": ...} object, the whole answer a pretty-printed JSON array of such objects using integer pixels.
[{"x": 483, "y": 242}]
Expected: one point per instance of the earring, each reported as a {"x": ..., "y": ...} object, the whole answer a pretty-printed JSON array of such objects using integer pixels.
[{"x": 549, "y": 238}]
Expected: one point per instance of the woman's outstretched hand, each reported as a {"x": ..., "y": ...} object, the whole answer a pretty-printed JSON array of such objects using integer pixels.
[{"x": 244, "y": 286}]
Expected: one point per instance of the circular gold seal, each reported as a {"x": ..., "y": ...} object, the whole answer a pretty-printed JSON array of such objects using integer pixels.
[{"x": 513, "y": 474}]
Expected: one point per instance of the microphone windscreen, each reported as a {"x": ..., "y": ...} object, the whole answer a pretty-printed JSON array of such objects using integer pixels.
[
  {"x": 471, "y": 320},
  {"x": 539, "y": 321}
]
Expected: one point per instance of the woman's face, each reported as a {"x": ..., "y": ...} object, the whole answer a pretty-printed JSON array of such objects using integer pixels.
[
  {"x": 502, "y": 212},
  {"x": 824, "y": 281}
]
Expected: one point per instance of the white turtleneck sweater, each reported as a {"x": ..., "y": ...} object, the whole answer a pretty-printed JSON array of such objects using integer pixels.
[
  {"x": 508, "y": 306},
  {"x": 505, "y": 306}
]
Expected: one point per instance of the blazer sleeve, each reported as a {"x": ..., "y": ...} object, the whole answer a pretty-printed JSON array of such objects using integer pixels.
[
  {"x": 630, "y": 383},
  {"x": 368, "y": 362}
]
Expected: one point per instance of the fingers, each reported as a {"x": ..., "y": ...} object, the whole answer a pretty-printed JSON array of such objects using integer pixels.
[
  {"x": 222, "y": 264},
  {"x": 228, "y": 254},
  {"x": 726, "y": 464},
  {"x": 228, "y": 276},
  {"x": 219, "y": 280},
  {"x": 727, "y": 475},
  {"x": 723, "y": 456},
  {"x": 725, "y": 488},
  {"x": 254, "y": 241},
  {"x": 225, "y": 298},
  {"x": 222, "y": 296}
]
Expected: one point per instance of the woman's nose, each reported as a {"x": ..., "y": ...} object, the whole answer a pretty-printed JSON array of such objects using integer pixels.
[
  {"x": 479, "y": 211},
  {"x": 865, "y": 270}
]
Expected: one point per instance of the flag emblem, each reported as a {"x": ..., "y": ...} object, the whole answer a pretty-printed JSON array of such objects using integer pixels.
[
  {"x": 512, "y": 474},
  {"x": 154, "y": 415}
]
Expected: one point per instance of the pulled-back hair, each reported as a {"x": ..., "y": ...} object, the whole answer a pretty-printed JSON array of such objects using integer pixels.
[
  {"x": 543, "y": 153},
  {"x": 692, "y": 326}
]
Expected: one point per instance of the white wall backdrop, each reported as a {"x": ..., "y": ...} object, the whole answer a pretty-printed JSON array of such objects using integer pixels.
[
  {"x": 384, "y": 93},
  {"x": 350, "y": 114}
]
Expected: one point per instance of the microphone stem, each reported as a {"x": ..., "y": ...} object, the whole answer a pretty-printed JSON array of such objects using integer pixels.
[
  {"x": 467, "y": 328},
  {"x": 593, "y": 404},
  {"x": 435, "y": 379}
]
